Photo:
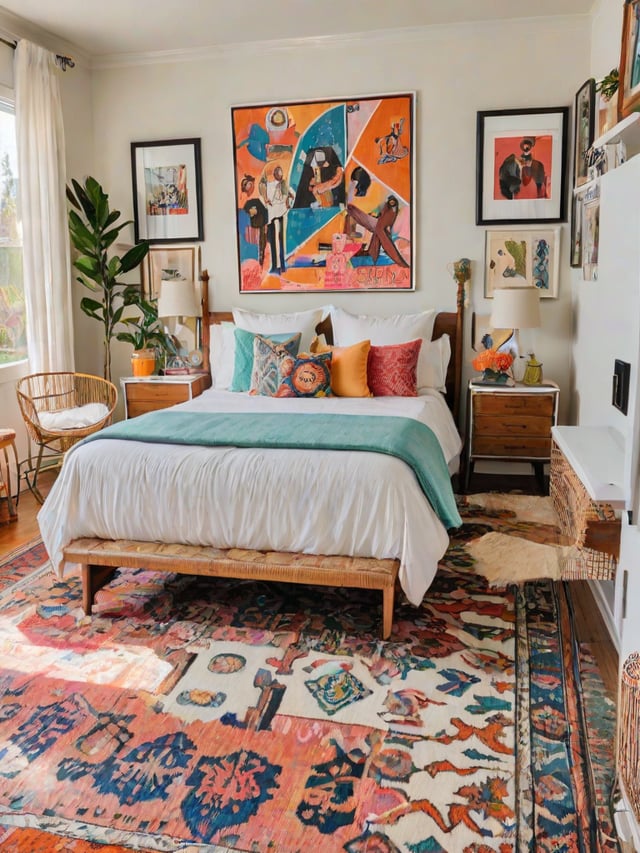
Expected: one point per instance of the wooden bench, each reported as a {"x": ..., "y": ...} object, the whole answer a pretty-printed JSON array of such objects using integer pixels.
[{"x": 99, "y": 559}]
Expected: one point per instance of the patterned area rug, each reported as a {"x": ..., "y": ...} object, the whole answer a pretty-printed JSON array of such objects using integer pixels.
[{"x": 211, "y": 715}]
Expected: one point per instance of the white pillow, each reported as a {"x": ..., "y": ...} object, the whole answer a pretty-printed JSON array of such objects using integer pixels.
[
  {"x": 433, "y": 362},
  {"x": 349, "y": 329},
  {"x": 304, "y": 322},
  {"x": 222, "y": 344},
  {"x": 80, "y": 416}
]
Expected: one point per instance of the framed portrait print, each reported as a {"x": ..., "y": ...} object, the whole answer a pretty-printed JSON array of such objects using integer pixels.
[
  {"x": 629, "y": 89},
  {"x": 167, "y": 190},
  {"x": 590, "y": 232},
  {"x": 517, "y": 257},
  {"x": 324, "y": 194},
  {"x": 520, "y": 165},
  {"x": 584, "y": 130}
]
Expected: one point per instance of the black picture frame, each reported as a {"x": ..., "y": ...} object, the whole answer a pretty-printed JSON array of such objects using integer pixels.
[
  {"x": 505, "y": 139},
  {"x": 584, "y": 130},
  {"x": 167, "y": 190}
]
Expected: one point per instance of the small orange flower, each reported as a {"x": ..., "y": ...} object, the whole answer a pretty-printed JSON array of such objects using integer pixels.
[{"x": 491, "y": 359}]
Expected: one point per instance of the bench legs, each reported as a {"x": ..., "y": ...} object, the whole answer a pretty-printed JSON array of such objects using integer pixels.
[{"x": 93, "y": 579}]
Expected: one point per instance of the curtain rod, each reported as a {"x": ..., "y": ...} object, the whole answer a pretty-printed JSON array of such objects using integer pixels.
[{"x": 63, "y": 61}]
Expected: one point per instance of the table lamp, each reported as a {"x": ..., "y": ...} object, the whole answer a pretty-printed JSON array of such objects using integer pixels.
[
  {"x": 178, "y": 300},
  {"x": 519, "y": 308}
]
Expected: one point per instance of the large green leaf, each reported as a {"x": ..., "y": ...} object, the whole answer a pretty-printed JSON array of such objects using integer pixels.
[
  {"x": 91, "y": 308},
  {"x": 85, "y": 202},
  {"x": 134, "y": 256},
  {"x": 89, "y": 267}
]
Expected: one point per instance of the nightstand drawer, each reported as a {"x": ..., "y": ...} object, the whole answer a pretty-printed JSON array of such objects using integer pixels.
[
  {"x": 514, "y": 403},
  {"x": 508, "y": 424},
  {"x": 512, "y": 446},
  {"x": 161, "y": 393}
]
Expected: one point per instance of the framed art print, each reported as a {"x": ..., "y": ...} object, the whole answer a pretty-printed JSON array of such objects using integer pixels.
[
  {"x": 584, "y": 130},
  {"x": 629, "y": 89},
  {"x": 520, "y": 165},
  {"x": 167, "y": 191},
  {"x": 522, "y": 257},
  {"x": 324, "y": 194},
  {"x": 575, "y": 250}
]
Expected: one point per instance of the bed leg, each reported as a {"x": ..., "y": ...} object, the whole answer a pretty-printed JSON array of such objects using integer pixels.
[
  {"x": 93, "y": 579},
  {"x": 387, "y": 611}
]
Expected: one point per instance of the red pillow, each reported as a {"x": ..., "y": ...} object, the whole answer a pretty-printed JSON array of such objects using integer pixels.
[{"x": 392, "y": 370}]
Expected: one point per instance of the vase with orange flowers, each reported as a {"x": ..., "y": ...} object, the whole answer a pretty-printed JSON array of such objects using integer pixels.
[{"x": 494, "y": 366}]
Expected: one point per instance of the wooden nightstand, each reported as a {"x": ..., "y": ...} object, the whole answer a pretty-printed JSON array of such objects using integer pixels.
[
  {"x": 511, "y": 424},
  {"x": 148, "y": 393}
]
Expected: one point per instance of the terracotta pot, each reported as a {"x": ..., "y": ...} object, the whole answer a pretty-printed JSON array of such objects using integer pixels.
[{"x": 143, "y": 362}]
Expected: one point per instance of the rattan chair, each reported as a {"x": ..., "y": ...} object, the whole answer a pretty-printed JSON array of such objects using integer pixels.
[{"x": 59, "y": 392}]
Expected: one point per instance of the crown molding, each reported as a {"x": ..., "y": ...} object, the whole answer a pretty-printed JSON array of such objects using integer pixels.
[
  {"x": 14, "y": 28},
  {"x": 400, "y": 35}
]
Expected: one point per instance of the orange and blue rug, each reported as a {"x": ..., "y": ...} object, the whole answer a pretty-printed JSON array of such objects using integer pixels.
[{"x": 213, "y": 715}]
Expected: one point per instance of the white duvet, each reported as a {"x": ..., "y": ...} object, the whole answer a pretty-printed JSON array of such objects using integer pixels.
[{"x": 318, "y": 502}]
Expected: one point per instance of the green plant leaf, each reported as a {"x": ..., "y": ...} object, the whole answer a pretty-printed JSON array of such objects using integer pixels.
[{"x": 134, "y": 256}]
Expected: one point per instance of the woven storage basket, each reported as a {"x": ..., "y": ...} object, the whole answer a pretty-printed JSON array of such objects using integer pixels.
[
  {"x": 629, "y": 731},
  {"x": 591, "y": 526}
]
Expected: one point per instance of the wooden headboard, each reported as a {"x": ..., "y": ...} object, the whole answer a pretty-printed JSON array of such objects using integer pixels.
[{"x": 447, "y": 322}]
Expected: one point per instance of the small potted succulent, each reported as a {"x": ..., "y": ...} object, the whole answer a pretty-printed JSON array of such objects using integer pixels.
[{"x": 147, "y": 336}]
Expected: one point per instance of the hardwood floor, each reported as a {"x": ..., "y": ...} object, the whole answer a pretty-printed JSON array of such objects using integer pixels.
[{"x": 590, "y": 625}]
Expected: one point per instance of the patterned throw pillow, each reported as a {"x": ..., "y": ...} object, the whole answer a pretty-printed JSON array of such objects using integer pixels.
[
  {"x": 243, "y": 358},
  {"x": 392, "y": 370},
  {"x": 306, "y": 376},
  {"x": 268, "y": 357}
]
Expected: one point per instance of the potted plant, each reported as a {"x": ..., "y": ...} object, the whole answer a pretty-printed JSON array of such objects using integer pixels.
[
  {"x": 146, "y": 334},
  {"x": 94, "y": 228},
  {"x": 608, "y": 109}
]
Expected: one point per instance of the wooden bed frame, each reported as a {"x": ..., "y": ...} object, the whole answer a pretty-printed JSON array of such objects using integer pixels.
[{"x": 100, "y": 558}]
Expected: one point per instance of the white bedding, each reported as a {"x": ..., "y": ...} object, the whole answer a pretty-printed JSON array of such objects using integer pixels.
[{"x": 318, "y": 502}]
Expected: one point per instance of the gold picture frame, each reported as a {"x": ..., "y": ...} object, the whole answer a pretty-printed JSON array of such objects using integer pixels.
[{"x": 629, "y": 88}]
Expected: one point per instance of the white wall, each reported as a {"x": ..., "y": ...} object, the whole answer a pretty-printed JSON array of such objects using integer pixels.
[{"x": 455, "y": 72}]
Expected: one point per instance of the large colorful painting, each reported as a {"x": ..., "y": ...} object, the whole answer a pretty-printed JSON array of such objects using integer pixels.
[{"x": 324, "y": 194}]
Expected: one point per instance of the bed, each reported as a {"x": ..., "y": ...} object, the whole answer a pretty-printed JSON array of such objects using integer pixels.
[{"x": 343, "y": 517}]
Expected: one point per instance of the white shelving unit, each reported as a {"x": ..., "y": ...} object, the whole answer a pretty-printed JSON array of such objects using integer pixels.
[{"x": 627, "y": 129}]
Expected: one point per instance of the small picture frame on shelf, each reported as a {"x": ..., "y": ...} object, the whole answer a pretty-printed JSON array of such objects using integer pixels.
[
  {"x": 590, "y": 232},
  {"x": 575, "y": 250},
  {"x": 583, "y": 130}
]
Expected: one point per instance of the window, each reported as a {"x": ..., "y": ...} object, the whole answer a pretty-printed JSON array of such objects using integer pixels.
[{"x": 13, "y": 339}]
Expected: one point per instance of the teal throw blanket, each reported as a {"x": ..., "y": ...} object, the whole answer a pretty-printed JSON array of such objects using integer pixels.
[{"x": 409, "y": 440}]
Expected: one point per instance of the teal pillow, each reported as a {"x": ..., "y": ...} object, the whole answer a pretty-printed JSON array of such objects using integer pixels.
[{"x": 243, "y": 359}]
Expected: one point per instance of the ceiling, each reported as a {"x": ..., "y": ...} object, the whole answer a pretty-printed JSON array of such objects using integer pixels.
[{"x": 110, "y": 27}]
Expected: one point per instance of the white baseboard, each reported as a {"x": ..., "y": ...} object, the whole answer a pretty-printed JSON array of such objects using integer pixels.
[{"x": 605, "y": 610}]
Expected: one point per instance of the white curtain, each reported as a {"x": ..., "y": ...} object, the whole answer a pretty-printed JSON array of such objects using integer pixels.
[{"x": 41, "y": 167}]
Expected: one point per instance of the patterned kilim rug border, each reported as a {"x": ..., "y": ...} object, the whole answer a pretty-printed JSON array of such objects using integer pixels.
[{"x": 460, "y": 645}]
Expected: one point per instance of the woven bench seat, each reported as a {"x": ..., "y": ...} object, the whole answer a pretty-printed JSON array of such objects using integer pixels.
[{"x": 99, "y": 558}]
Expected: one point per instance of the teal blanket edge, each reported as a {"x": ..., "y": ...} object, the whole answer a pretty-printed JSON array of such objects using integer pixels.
[{"x": 405, "y": 438}]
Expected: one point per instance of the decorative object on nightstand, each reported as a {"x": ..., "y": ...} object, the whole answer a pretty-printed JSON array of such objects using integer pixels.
[
  {"x": 519, "y": 308},
  {"x": 494, "y": 366}
]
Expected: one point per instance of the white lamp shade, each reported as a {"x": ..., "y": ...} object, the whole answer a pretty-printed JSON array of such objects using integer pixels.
[
  {"x": 516, "y": 308},
  {"x": 178, "y": 299}
]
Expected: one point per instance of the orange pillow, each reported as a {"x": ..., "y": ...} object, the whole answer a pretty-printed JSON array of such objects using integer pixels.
[{"x": 348, "y": 368}]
